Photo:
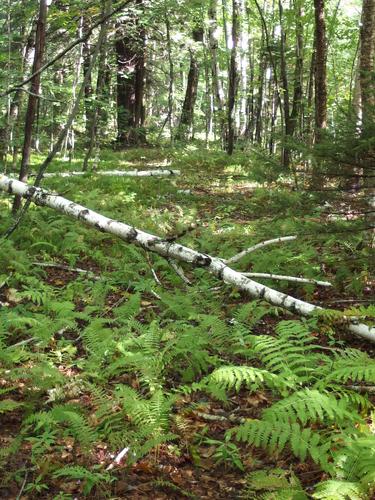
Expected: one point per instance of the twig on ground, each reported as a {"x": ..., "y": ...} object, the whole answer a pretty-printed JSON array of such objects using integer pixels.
[
  {"x": 287, "y": 278},
  {"x": 68, "y": 268},
  {"x": 263, "y": 244},
  {"x": 179, "y": 271},
  {"x": 220, "y": 418},
  {"x": 118, "y": 458},
  {"x": 22, "y": 486},
  {"x": 362, "y": 388}
]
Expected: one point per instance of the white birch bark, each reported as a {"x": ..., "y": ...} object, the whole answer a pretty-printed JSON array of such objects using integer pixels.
[
  {"x": 294, "y": 279},
  {"x": 263, "y": 244},
  {"x": 171, "y": 250},
  {"x": 117, "y": 173}
]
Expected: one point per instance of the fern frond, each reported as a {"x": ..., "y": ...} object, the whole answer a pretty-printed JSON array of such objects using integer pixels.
[
  {"x": 77, "y": 424},
  {"x": 235, "y": 377},
  {"x": 276, "y": 435},
  {"x": 308, "y": 405},
  {"x": 339, "y": 490}
]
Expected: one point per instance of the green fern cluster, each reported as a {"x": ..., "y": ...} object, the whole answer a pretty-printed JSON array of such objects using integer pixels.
[{"x": 319, "y": 414}]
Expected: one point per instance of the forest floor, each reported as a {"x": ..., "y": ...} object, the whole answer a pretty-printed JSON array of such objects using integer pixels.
[{"x": 218, "y": 207}]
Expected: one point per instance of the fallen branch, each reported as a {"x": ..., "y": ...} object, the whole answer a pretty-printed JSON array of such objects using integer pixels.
[
  {"x": 78, "y": 270},
  {"x": 287, "y": 278},
  {"x": 117, "y": 173},
  {"x": 179, "y": 271},
  {"x": 171, "y": 250},
  {"x": 362, "y": 389},
  {"x": 252, "y": 249}
]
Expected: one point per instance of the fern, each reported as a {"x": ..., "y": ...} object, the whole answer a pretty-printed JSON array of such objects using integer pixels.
[
  {"x": 340, "y": 490},
  {"x": 292, "y": 353},
  {"x": 235, "y": 377},
  {"x": 275, "y": 436},
  {"x": 90, "y": 478},
  {"x": 7, "y": 405},
  {"x": 306, "y": 406}
]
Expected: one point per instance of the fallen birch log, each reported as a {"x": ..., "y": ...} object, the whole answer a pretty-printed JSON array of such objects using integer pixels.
[
  {"x": 117, "y": 173},
  {"x": 171, "y": 250}
]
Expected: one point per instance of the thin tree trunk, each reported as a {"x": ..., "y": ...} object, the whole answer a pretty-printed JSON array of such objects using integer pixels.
[
  {"x": 320, "y": 78},
  {"x": 233, "y": 76},
  {"x": 259, "y": 102},
  {"x": 367, "y": 84},
  {"x": 130, "y": 54},
  {"x": 33, "y": 97},
  {"x": 171, "y": 78},
  {"x": 100, "y": 84},
  {"x": 187, "y": 113},
  {"x": 285, "y": 89},
  {"x": 320, "y": 70},
  {"x": 217, "y": 88}
]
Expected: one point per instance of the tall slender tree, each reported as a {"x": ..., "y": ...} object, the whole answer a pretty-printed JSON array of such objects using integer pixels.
[
  {"x": 130, "y": 56},
  {"x": 33, "y": 100},
  {"x": 233, "y": 77}
]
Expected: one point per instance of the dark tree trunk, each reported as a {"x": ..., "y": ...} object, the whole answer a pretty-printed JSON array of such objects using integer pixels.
[
  {"x": 320, "y": 70},
  {"x": 187, "y": 113},
  {"x": 130, "y": 54},
  {"x": 285, "y": 89},
  {"x": 33, "y": 97},
  {"x": 320, "y": 78},
  {"x": 233, "y": 76}
]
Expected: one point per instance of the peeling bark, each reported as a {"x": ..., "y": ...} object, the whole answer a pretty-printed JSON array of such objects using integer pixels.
[{"x": 171, "y": 250}]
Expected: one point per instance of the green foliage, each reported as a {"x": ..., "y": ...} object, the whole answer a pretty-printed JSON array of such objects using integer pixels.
[
  {"x": 88, "y": 477},
  {"x": 274, "y": 484},
  {"x": 87, "y": 361}
]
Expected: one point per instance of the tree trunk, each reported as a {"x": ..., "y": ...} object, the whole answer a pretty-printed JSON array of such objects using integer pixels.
[
  {"x": 367, "y": 84},
  {"x": 33, "y": 97},
  {"x": 233, "y": 76},
  {"x": 130, "y": 54},
  {"x": 96, "y": 112},
  {"x": 295, "y": 114},
  {"x": 12, "y": 114},
  {"x": 259, "y": 101},
  {"x": 285, "y": 89},
  {"x": 320, "y": 70},
  {"x": 187, "y": 113},
  {"x": 366, "y": 65},
  {"x": 86, "y": 59},
  {"x": 217, "y": 88}
]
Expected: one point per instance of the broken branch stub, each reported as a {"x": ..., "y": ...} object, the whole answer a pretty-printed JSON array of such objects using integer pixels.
[{"x": 171, "y": 250}]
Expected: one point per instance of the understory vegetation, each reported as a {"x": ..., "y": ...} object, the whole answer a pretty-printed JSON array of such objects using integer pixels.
[{"x": 120, "y": 380}]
